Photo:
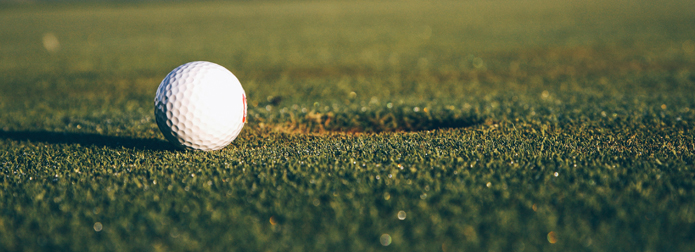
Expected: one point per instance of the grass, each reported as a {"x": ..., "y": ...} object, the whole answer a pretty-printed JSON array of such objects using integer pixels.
[{"x": 527, "y": 125}]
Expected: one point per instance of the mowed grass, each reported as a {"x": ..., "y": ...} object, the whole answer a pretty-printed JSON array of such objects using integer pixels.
[{"x": 525, "y": 125}]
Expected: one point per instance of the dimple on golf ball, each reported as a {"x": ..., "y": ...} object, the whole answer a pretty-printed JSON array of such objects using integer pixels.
[{"x": 200, "y": 106}]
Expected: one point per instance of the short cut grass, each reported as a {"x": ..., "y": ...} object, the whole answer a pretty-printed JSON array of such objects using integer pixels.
[{"x": 529, "y": 125}]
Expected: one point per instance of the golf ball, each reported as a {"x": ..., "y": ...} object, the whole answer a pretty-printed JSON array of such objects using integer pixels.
[{"x": 200, "y": 106}]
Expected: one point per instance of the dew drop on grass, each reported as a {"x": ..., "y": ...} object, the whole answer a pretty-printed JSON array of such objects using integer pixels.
[
  {"x": 385, "y": 239},
  {"x": 401, "y": 215},
  {"x": 50, "y": 42},
  {"x": 98, "y": 227},
  {"x": 552, "y": 237}
]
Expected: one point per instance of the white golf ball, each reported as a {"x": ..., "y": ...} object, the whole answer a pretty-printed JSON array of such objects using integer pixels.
[{"x": 200, "y": 106}]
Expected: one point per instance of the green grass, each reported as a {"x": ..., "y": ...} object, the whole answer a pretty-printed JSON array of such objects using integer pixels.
[{"x": 527, "y": 125}]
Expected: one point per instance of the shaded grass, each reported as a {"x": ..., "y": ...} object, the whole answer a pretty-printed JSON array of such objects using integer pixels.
[{"x": 86, "y": 139}]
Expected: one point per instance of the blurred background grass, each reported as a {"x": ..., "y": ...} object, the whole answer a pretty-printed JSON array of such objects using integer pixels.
[
  {"x": 529, "y": 116},
  {"x": 423, "y": 53}
]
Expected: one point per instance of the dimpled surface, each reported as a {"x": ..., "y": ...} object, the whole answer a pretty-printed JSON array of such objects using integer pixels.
[{"x": 200, "y": 105}]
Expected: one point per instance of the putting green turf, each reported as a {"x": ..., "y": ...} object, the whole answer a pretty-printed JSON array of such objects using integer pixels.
[{"x": 526, "y": 125}]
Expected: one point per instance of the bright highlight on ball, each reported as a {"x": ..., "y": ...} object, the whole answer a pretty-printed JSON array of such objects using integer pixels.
[{"x": 200, "y": 106}]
